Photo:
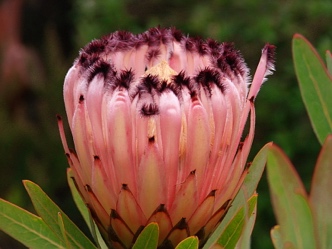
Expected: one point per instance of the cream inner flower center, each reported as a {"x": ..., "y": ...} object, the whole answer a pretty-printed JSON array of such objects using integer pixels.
[{"x": 162, "y": 70}]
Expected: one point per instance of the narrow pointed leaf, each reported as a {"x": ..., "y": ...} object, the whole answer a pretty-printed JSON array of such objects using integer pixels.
[
  {"x": 85, "y": 212},
  {"x": 315, "y": 84},
  {"x": 188, "y": 243},
  {"x": 63, "y": 231},
  {"x": 256, "y": 170},
  {"x": 97, "y": 235},
  {"x": 233, "y": 231},
  {"x": 245, "y": 239},
  {"x": 48, "y": 211},
  {"x": 27, "y": 228},
  {"x": 321, "y": 196},
  {"x": 148, "y": 238},
  {"x": 78, "y": 199},
  {"x": 329, "y": 61},
  {"x": 289, "y": 201},
  {"x": 249, "y": 186}
]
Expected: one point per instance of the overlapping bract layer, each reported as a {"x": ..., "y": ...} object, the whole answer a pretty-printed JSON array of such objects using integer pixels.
[{"x": 157, "y": 120}]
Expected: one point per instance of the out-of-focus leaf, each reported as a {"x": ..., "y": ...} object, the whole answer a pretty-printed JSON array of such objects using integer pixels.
[
  {"x": 148, "y": 238},
  {"x": 233, "y": 231},
  {"x": 289, "y": 245},
  {"x": 249, "y": 186},
  {"x": 315, "y": 84},
  {"x": 277, "y": 240},
  {"x": 48, "y": 211},
  {"x": 276, "y": 237},
  {"x": 321, "y": 196},
  {"x": 329, "y": 61},
  {"x": 289, "y": 201},
  {"x": 85, "y": 211},
  {"x": 188, "y": 243},
  {"x": 27, "y": 228}
]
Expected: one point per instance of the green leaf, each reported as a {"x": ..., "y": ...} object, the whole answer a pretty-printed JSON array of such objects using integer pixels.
[
  {"x": 278, "y": 243},
  {"x": 245, "y": 239},
  {"x": 148, "y": 238},
  {"x": 63, "y": 231},
  {"x": 78, "y": 199},
  {"x": 233, "y": 231},
  {"x": 276, "y": 237},
  {"x": 48, "y": 211},
  {"x": 329, "y": 61},
  {"x": 289, "y": 201},
  {"x": 315, "y": 84},
  {"x": 26, "y": 227},
  {"x": 188, "y": 243},
  {"x": 256, "y": 170},
  {"x": 85, "y": 211},
  {"x": 249, "y": 186},
  {"x": 321, "y": 196}
]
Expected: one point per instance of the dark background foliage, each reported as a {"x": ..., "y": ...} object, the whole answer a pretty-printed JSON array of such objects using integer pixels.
[{"x": 39, "y": 40}]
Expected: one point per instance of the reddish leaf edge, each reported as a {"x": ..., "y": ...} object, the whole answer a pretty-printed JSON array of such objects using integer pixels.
[{"x": 298, "y": 36}]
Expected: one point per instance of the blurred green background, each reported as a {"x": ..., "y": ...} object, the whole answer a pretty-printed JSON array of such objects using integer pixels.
[{"x": 40, "y": 39}]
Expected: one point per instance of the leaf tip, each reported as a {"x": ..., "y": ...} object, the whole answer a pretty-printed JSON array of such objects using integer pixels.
[
  {"x": 298, "y": 36},
  {"x": 27, "y": 183}
]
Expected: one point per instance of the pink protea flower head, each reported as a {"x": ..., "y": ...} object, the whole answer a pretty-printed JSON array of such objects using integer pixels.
[{"x": 157, "y": 120}]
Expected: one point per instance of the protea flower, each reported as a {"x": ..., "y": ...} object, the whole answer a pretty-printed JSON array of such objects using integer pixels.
[{"x": 157, "y": 120}]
